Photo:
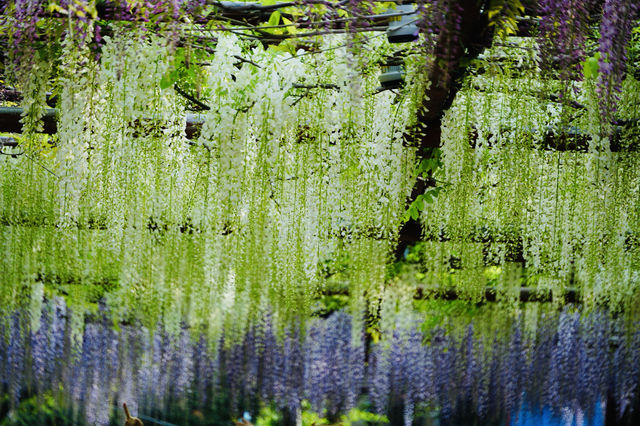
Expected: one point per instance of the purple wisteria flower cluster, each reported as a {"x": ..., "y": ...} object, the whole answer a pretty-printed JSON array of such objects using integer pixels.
[
  {"x": 564, "y": 27},
  {"x": 150, "y": 371},
  {"x": 566, "y": 361},
  {"x": 27, "y": 13},
  {"x": 618, "y": 18}
]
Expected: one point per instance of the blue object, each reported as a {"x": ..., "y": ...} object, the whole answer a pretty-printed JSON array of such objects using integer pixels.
[
  {"x": 402, "y": 29},
  {"x": 528, "y": 417},
  {"x": 392, "y": 76}
]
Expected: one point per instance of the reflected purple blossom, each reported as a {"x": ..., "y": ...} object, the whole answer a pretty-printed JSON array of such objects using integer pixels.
[{"x": 567, "y": 364}]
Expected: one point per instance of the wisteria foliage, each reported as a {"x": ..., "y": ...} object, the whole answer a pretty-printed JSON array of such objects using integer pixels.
[{"x": 566, "y": 361}]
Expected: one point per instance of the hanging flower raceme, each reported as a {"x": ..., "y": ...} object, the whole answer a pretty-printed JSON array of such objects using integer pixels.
[
  {"x": 563, "y": 33},
  {"x": 618, "y": 19},
  {"x": 161, "y": 228},
  {"x": 537, "y": 200}
]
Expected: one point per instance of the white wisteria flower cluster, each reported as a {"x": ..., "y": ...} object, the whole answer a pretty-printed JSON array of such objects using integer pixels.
[
  {"x": 298, "y": 162},
  {"x": 532, "y": 187}
]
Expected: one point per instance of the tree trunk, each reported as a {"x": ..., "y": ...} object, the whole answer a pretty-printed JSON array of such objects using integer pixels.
[{"x": 453, "y": 52}]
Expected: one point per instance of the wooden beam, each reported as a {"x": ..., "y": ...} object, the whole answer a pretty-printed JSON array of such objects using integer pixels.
[
  {"x": 10, "y": 122},
  {"x": 10, "y": 94},
  {"x": 252, "y": 14},
  {"x": 570, "y": 138}
]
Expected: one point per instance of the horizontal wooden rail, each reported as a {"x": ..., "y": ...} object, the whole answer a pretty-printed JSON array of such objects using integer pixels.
[
  {"x": 248, "y": 16},
  {"x": 10, "y": 120},
  {"x": 10, "y": 94},
  {"x": 526, "y": 294},
  {"x": 10, "y": 123},
  {"x": 491, "y": 294}
]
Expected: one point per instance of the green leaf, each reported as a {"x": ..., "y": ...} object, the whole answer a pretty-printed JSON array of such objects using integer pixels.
[
  {"x": 428, "y": 197},
  {"x": 56, "y": 8},
  {"x": 291, "y": 29},
  {"x": 510, "y": 25},
  {"x": 591, "y": 66},
  {"x": 422, "y": 167},
  {"x": 492, "y": 13},
  {"x": 413, "y": 212},
  {"x": 519, "y": 6},
  {"x": 168, "y": 79},
  {"x": 274, "y": 19}
]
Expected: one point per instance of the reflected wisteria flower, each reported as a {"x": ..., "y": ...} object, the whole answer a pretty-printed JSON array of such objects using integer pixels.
[
  {"x": 234, "y": 369},
  {"x": 316, "y": 368},
  {"x": 516, "y": 369},
  {"x": 334, "y": 366},
  {"x": 566, "y": 367},
  {"x": 443, "y": 350},
  {"x": 541, "y": 360},
  {"x": 379, "y": 375},
  {"x": 39, "y": 342},
  {"x": 293, "y": 371},
  {"x": 497, "y": 376},
  {"x": 482, "y": 380},
  {"x": 204, "y": 370},
  {"x": 15, "y": 359},
  {"x": 468, "y": 366},
  {"x": 627, "y": 377},
  {"x": 565, "y": 357},
  {"x": 593, "y": 382}
]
